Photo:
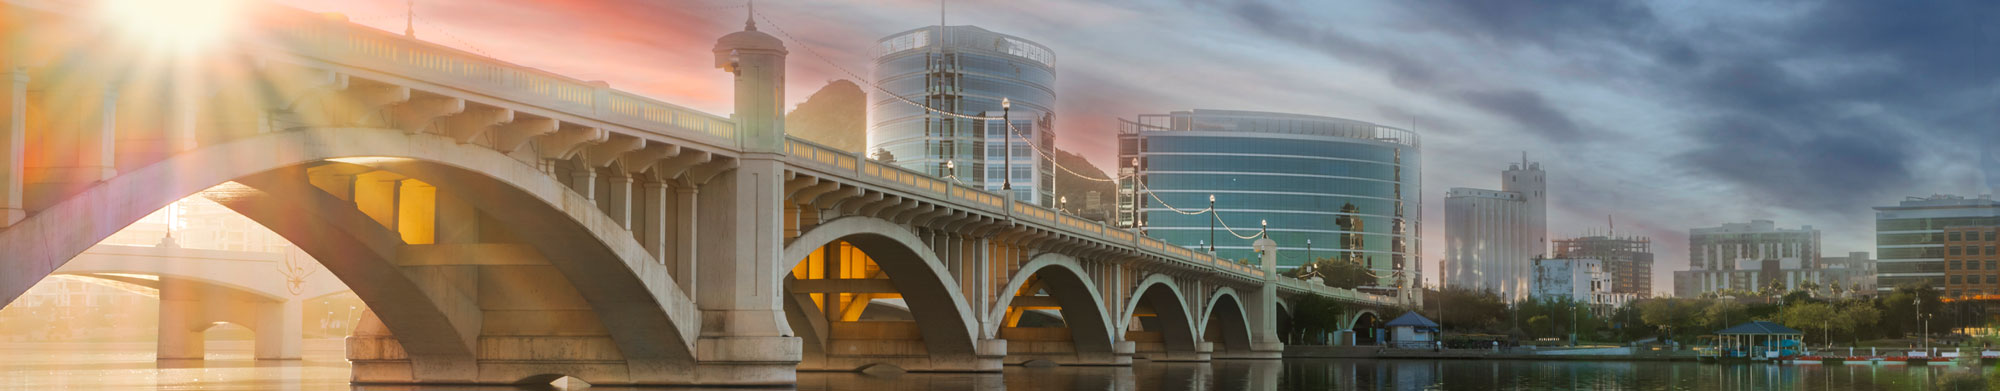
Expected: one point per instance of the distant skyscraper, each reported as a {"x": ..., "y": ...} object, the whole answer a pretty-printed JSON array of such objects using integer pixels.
[
  {"x": 1972, "y": 264},
  {"x": 1852, "y": 273},
  {"x": 1329, "y": 187},
  {"x": 1910, "y": 238},
  {"x": 1629, "y": 259},
  {"x": 1493, "y": 237},
  {"x": 967, "y": 70},
  {"x": 1751, "y": 256}
]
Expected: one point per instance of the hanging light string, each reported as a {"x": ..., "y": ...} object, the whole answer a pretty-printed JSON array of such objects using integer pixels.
[
  {"x": 1156, "y": 198},
  {"x": 1232, "y": 231},
  {"x": 1012, "y": 132}
]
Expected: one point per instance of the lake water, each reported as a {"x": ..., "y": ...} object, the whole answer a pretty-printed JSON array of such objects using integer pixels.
[{"x": 131, "y": 367}]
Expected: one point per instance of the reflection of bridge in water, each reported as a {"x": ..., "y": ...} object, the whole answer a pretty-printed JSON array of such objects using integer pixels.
[
  {"x": 199, "y": 288},
  {"x": 505, "y": 225}
]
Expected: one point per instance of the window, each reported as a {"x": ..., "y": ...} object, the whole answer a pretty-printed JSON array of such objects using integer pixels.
[
  {"x": 1955, "y": 250},
  {"x": 1993, "y": 278},
  {"x": 1991, "y": 234},
  {"x": 1954, "y": 264},
  {"x": 1956, "y": 279},
  {"x": 1955, "y": 236},
  {"x": 1989, "y": 251},
  {"x": 1971, "y": 265},
  {"x": 1990, "y": 265}
]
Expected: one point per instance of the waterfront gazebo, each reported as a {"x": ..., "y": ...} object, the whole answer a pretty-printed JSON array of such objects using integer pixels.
[
  {"x": 1755, "y": 339},
  {"x": 1412, "y": 330}
]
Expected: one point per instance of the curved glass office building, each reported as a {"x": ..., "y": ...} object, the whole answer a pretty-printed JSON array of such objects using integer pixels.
[
  {"x": 966, "y": 70},
  {"x": 1349, "y": 187}
]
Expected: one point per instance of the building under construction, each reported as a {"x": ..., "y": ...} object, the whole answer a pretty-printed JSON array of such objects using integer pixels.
[{"x": 1629, "y": 259}]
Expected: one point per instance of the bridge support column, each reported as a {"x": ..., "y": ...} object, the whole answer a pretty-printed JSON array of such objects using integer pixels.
[
  {"x": 180, "y": 313},
  {"x": 188, "y": 308},
  {"x": 13, "y": 135},
  {"x": 280, "y": 330},
  {"x": 686, "y": 221},
  {"x": 1262, "y": 307},
  {"x": 743, "y": 339}
]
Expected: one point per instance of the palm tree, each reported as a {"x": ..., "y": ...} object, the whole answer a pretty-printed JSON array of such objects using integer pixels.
[{"x": 1811, "y": 287}]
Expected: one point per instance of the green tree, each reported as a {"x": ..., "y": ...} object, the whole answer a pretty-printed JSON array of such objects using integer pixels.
[
  {"x": 1336, "y": 272},
  {"x": 1678, "y": 316},
  {"x": 1854, "y": 317},
  {"x": 1464, "y": 310},
  {"x": 1815, "y": 319},
  {"x": 1723, "y": 313},
  {"x": 1315, "y": 315}
]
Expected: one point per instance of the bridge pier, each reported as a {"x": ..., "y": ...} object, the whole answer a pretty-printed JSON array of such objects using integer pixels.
[
  {"x": 1262, "y": 309},
  {"x": 743, "y": 338},
  {"x": 188, "y": 308}
]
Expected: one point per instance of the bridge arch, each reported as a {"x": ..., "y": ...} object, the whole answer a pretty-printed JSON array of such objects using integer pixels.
[
  {"x": 946, "y": 323},
  {"x": 1176, "y": 339},
  {"x": 607, "y": 267},
  {"x": 1082, "y": 308},
  {"x": 1362, "y": 327},
  {"x": 1225, "y": 322}
]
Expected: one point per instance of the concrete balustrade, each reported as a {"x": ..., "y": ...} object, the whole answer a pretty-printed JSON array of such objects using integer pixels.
[{"x": 508, "y": 225}]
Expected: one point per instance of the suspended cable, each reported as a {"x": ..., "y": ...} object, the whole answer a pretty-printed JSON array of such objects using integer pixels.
[
  {"x": 1156, "y": 198},
  {"x": 1225, "y": 227}
]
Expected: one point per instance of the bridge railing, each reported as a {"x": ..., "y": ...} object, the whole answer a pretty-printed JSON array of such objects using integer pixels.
[
  {"x": 916, "y": 182},
  {"x": 1323, "y": 290},
  {"x": 338, "y": 42}
]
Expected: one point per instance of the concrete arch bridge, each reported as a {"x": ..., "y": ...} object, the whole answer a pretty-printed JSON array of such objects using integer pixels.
[{"x": 510, "y": 225}]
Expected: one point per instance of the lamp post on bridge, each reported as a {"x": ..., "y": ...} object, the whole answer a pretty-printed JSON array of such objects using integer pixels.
[
  {"x": 1007, "y": 134},
  {"x": 1212, "y": 218}
]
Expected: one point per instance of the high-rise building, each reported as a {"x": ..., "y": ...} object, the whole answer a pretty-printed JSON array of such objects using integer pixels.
[
  {"x": 937, "y": 81},
  {"x": 1328, "y": 187},
  {"x": 1854, "y": 273},
  {"x": 1751, "y": 257},
  {"x": 1493, "y": 237},
  {"x": 1972, "y": 263},
  {"x": 1629, "y": 259},
  {"x": 1910, "y": 237}
]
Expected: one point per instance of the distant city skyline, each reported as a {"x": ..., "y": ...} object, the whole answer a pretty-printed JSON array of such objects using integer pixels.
[{"x": 1668, "y": 115}]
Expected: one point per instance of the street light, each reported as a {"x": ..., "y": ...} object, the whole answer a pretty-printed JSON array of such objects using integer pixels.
[
  {"x": 1063, "y": 203},
  {"x": 1212, "y": 217},
  {"x": 1309, "y": 251},
  {"x": 1007, "y": 133}
]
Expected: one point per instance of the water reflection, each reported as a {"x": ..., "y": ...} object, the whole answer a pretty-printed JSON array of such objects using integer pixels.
[{"x": 131, "y": 366}]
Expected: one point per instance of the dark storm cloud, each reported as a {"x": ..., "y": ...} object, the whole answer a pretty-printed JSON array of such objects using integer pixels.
[
  {"x": 1932, "y": 89},
  {"x": 1524, "y": 106},
  {"x": 1837, "y": 106},
  {"x": 1558, "y": 25}
]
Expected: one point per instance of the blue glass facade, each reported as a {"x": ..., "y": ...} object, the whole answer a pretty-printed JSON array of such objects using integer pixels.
[
  {"x": 966, "y": 70},
  {"x": 1349, "y": 187}
]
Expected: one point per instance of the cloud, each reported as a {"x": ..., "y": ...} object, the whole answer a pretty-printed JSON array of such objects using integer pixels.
[{"x": 1527, "y": 108}]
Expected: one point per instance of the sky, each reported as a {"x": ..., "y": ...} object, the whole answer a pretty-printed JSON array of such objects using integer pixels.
[{"x": 1661, "y": 116}]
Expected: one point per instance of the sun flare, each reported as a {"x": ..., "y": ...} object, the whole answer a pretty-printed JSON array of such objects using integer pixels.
[{"x": 183, "y": 25}]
